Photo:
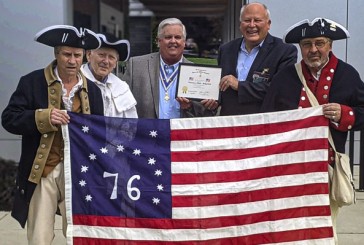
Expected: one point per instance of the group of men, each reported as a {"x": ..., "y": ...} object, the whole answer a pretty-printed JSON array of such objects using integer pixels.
[{"x": 258, "y": 75}]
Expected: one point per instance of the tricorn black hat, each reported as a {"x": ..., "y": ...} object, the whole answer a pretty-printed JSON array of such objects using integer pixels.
[
  {"x": 319, "y": 27},
  {"x": 65, "y": 35},
  {"x": 121, "y": 46}
]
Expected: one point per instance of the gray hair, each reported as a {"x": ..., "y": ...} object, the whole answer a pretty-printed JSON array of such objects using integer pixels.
[
  {"x": 246, "y": 5},
  {"x": 171, "y": 21}
]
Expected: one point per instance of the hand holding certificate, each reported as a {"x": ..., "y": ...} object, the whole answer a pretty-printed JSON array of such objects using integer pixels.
[{"x": 198, "y": 81}]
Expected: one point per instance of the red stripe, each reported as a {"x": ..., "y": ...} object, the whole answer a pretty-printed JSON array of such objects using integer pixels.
[
  {"x": 247, "y": 130},
  {"x": 207, "y": 223},
  {"x": 249, "y": 196},
  {"x": 264, "y": 238},
  {"x": 236, "y": 154},
  {"x": 249, "y": 174}
]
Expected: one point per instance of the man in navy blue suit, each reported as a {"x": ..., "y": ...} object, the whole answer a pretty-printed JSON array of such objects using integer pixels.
[{"x": 249, "y": 63}]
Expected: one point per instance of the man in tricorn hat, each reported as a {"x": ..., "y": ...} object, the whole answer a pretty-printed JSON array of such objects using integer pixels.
[
  {"x": 101, "y": 62},
  {"x": 336, "y": 85},
  {"x": 36, "y": 111}
]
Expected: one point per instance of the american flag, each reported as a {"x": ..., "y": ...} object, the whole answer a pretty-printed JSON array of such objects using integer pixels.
[{"x": 252, "y": 179}]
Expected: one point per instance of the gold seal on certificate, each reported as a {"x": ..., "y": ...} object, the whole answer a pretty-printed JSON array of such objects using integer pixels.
[{"x": 198, "y": 81}]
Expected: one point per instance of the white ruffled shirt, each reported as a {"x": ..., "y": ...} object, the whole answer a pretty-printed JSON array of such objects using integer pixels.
[{"x": 117, "y": 97}]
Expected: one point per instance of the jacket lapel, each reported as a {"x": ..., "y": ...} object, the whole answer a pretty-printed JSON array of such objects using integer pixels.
[
  {"x": 266, "y": 47},
  {"x": 153, "y": 64}
]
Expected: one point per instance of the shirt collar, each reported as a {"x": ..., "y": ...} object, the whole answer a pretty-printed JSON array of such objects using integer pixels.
[
  {"x": 243, "y": 48},
  {"x": 162, "y": 63}
]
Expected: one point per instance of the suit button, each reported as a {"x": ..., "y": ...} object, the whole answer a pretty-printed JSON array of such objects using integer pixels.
[
  {"x": 36, "y": 166},
  {"x": 22, "y": 191}
]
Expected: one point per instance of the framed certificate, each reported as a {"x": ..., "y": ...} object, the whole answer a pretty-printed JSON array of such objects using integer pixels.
[{"x": 198, "y": 82}]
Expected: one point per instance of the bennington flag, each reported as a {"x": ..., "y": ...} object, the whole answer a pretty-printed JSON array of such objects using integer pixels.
[{"x": 252, "y": 179}]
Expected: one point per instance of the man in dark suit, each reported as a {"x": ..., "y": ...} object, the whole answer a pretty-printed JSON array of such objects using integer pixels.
[
  {"x": 249, "y": 63},
  {"x": 153, "y": 77}
]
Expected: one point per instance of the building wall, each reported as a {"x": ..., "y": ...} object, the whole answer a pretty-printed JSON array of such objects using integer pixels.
[
  {"x": 20, "y": 54},
  {"x": 140, "y": 36}
]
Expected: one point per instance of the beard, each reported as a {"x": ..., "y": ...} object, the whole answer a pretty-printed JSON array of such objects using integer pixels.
[{"x": 316, "y": 64}]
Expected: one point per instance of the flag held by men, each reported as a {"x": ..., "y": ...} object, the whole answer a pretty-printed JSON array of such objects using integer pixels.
[{"x": 253, "y": 179}]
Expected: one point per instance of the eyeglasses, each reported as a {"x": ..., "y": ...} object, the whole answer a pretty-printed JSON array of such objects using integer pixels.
[{"x": 318, "y": 44}]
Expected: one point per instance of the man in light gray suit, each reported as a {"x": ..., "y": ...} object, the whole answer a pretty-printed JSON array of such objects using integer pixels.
[{"x": 153, "y": 77}]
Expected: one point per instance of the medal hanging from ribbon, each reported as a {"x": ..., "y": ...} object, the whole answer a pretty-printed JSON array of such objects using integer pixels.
[{"x": 167, "y": 80}]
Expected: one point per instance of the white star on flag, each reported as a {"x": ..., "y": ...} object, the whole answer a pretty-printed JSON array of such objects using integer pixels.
[
  {"x": 136, "y": 152},
  {"x": 84, "y": 169},
  {"x": 158, "y": 172},
  {"x": 88, "y": 198},
  {"x": 156, "y": 201},
  {"x": 120, "y": 148},
  {"x": 82, "y": 183},
  {"x": 160, "y": 187},
  {"x": 151, "y": 161},
  {"x": 104, "y": 150},
  {"x": 92, "y": 156},
  {"x": 85, "y": 129},
  {"x": 153, "y": 133}
]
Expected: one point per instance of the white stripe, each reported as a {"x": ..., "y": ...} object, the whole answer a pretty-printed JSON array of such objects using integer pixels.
[
  {"x": 200, "y": 234},
  {"x": 249, "y": 185},
  {"x": 250, "y": 207},
  {"x": 64, "y": 38},
  {"x": 68, "y": 182},
  {"x": 251, "y": 141},
  {"x": 245, "y": 120},
  {"x": 249, "y": 163}
]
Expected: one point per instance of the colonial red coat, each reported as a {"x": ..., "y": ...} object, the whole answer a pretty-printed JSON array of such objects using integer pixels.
[{"x": 339, "y": 83}]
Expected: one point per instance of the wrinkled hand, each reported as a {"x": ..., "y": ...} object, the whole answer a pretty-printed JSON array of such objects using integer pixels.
[
  {"x": 228, "y": 81},
  {"x": 332, "y": 111},
  {"x": 59, "y": 117},
  {"x": 210, "y": 104},
  {"x": 184, "y": 103}
]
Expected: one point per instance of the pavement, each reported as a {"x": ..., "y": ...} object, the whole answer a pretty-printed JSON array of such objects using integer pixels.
[{"x": 350, "y": 224}]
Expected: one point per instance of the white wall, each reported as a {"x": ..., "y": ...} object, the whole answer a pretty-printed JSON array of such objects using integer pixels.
[
  {"x": 20, "y": 54},
  {"x": 286, "y": 13}
]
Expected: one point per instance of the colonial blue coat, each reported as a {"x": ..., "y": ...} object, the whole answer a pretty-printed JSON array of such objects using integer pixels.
[{"x": 33, "y": 98}]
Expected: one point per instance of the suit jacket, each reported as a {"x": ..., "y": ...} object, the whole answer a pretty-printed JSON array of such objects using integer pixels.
[
  {"x": 142, "y": 75},
  {"x": 20, "y": 116},
  {"x": 272, "y": 57}
]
